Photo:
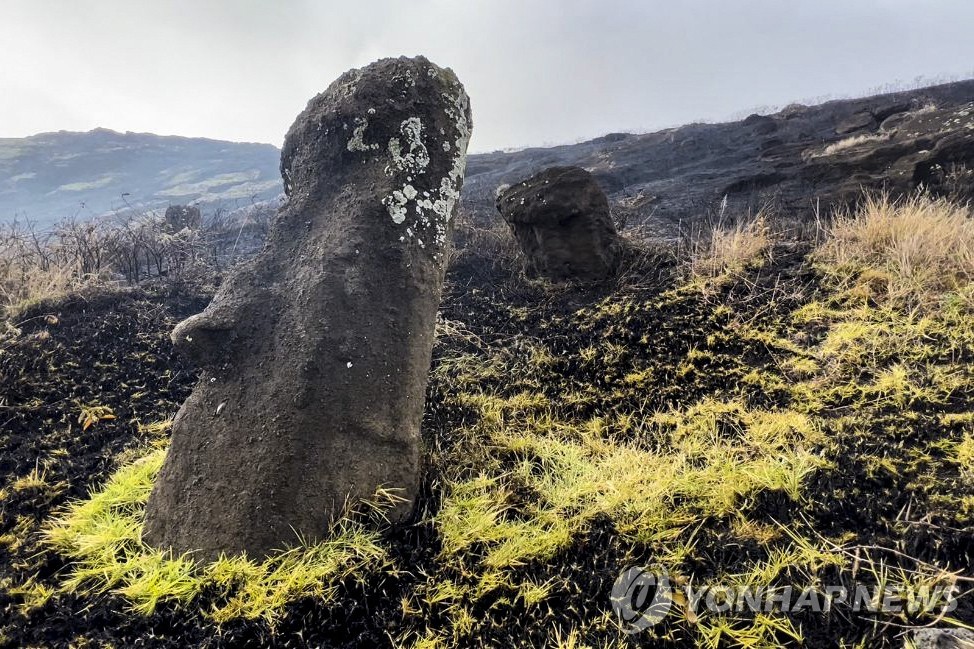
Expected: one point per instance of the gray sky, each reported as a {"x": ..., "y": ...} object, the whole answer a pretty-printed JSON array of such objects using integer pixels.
[{"x": 538, "y": 72}]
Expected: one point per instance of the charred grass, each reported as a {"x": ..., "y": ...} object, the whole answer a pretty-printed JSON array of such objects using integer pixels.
[{"x": 794, "y": 415}]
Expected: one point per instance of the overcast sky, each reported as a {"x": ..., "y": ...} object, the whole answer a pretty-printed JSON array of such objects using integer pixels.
[{"x": 538, "y": 72}]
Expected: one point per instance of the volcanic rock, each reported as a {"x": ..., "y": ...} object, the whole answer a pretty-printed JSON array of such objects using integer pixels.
[{"x": 856, "y": 122}]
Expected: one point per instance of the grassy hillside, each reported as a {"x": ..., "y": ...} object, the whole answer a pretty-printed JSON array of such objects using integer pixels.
[
  {"x": 744, "y": 410},
  {"x": 53, "y": 176}
]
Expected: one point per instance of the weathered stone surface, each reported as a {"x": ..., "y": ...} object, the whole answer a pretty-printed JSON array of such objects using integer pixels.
[
  {"x": 316, "y": 352},
  {"x": 560, "y": 218},
  {"x": 761, "y": 124},
  {"x": 928, "y": 147},
  {"x": 941, "y": 639},
  {"x": 180, "y": 217},
  {"x": 856, "y": 122}
]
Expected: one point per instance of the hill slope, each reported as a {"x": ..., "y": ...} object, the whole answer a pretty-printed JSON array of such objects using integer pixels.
[
  {"x": 797, "y": 159},
  {"x": 50, "y": 176}
]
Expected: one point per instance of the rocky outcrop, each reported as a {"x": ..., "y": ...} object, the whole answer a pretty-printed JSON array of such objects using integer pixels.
[
  {"x": 315, "y": 353},
  {"x": 926, "y": 147},
  {"x": 560, "y": 218}
]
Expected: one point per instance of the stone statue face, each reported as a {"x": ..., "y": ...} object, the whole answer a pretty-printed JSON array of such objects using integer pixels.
[{"x": 315, "y": 353}]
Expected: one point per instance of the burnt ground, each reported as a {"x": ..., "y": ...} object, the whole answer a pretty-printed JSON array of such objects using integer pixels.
[
  {"x": 672, "y": 177},
  {"x": 113, "y": 350}
]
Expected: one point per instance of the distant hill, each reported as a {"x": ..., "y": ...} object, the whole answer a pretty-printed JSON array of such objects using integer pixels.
[
  {"x": 797, "y": 160},
  {"x": 50, "y": 176}
]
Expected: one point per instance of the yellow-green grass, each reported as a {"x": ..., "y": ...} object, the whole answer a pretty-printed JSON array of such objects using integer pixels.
[
  {"x": 103, "y": 537},
  {"x": 524, "y": 477},
  {"x": 964, "y": 455},
  {"x": 696, "y": 472}
]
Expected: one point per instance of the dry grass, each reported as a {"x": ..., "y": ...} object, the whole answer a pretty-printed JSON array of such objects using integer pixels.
[
  {"x": 913, "y": 252},
  {"x": 728, "y": 251},
  {"x": 38, "y": 264},
  {"x": 25, "y": 284},
  {"x": 477, "y": 240},
  {"x": 850, "y": 142}
]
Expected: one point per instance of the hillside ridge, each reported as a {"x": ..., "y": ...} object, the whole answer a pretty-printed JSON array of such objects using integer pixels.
[{"x": 662, "y": 179}]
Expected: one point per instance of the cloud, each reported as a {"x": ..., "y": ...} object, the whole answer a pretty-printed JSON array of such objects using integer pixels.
[{"x": 537, "y": 72}]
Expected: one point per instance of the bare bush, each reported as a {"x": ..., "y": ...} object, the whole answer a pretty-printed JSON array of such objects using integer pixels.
[
  {"x": 126, "y": 248},
  {"x": 37, "y": 264}
]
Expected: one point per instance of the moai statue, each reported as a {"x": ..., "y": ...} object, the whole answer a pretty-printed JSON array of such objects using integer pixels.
[
  {"x": 560, "y": 218},
  {"x": 315, "y": 353}
]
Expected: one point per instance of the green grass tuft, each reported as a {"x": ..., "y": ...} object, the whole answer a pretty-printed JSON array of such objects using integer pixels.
[{"x": 102, "y": 535}]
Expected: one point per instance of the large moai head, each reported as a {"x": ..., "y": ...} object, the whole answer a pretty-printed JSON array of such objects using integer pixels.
[
  {"x": 402, "y": 123},
  {"x": 562, "y": 223},
  {"x": 315, "y": 353}
]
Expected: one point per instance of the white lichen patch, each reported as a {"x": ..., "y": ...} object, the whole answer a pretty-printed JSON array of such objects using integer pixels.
[
  {"x": 449, "y": 187},
  {"x": 396, "y": 204},
  {"x": 430, "y": 211},
  {"x": 346, "y": 85},
  {"x": 414, "y": 158},
  {"x": 406, "y": 79},
  {"x": 357, "y": 143}
]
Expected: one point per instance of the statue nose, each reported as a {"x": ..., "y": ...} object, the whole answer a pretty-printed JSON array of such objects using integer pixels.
[{"x": 205, "y": 337}]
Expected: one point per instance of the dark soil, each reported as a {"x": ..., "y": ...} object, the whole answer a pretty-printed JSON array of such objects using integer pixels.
[{"x": 113, "y": 350}]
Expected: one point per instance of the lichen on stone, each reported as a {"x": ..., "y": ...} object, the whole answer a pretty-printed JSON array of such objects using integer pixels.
[
  {"x": 416, "y": 158},
  {"x": 449, "y": 186},
  {"x": 357, "y": 143},
  {"x": 409, "y": 155},
  {"x": 396, "y": 204}
]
